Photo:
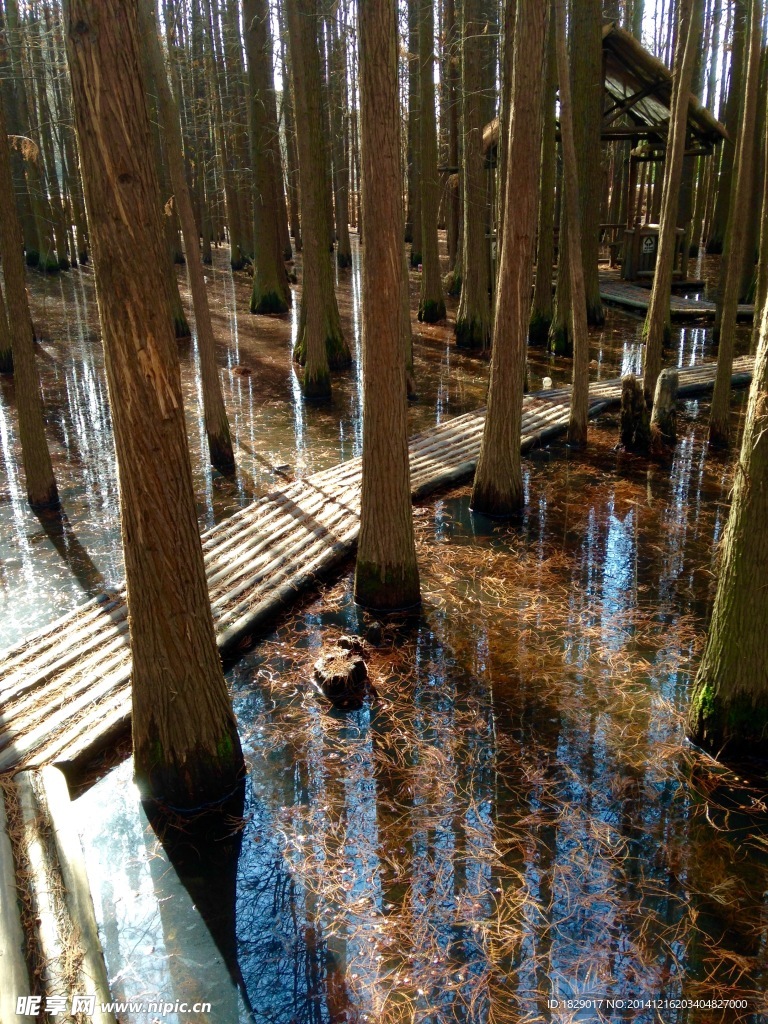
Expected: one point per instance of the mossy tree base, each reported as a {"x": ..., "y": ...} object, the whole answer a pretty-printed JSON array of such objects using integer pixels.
[
  {"x": 6, "y": 360},
  {"x": 488, "y": 500},
  {"x": 560, "y": 341},
  {"x": 431, "y": 311},
  {"x": 415, "y": 259},
  {"x": 316, "y": 387},
  {"x": 472, "y": 334},
  {"x": 387, "y": 589},
  {"x": 221, "y": 453},
  {"x": 203, "y": 779},
  {"x": 538, "y": 329},
  {"x": 734, "y": 729},
  {"x": 452, "y": 284},
  {"x": 48, "y": 265},
  {"x": 337, "y": 350},
  {"x": 595, "y": 314},
  {"x": 181, "y": 329},
  {"x": 268, "y": 303},
  {"x": 343, "y": 260},
  {"x": 32, "y": 257}
]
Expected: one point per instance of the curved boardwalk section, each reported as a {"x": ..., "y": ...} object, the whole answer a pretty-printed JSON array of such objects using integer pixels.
[{"x": 65, "y": 690}]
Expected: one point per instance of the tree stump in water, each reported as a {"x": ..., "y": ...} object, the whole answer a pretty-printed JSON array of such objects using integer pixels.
[
  {"x": 635, "y": 427},
  {"x": 341, "y": 675},
  {"x": 664, "y": 415}
]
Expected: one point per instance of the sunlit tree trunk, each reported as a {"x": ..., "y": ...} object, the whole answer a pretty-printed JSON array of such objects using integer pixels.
[
  {"x": 320, "y": 343},
  {"x": 657, "y": 322},
  {"x": 271, "y": 293},
  {"x": 716, "y": 238},
  {"x": 729, "y": 705},
  {"x": 498, "y": 485},
  {"x": 431, "y": 303},
  {"x": 577, "y": 422},
  {"x": 38, "y": 471},
  {"x": 728, "y": 298},
  {"x": 473, "y": 319},
  {"x": 386, "y": 575},
  {"x": 215, "y": 414},
  {"x": 185, "y": 743},
  {"x": 587, "y": 61},
  {"x": 336, "y": 97},
  {"x": 452, "y": 63}
]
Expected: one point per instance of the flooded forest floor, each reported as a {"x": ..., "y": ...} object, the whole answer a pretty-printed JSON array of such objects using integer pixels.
[{"x": 516, "y": 820}]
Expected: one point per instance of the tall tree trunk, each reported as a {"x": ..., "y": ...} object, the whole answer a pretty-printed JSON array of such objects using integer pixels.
[
  {"x": 587, "y": 62},
  {"x": 215, "y": 414},
  {"x": 386, "y": 575},
  {"x": 185, "y": 744},
  {"x": 728, "y": 297},
  {"x": 657, "y": 322},
  {"x": 338, "y": 78},
  {"x": 498, "y": 485},
  {"x": 320, "y": 343},
  {"x": 431, "y": 303},
  {"x": 541, "y": 307},
  {"x": 729, "y": 704},
  {"x": 577, "y": 422},
  {"x": 271, "y": 292},
  {"x": 453, "y": 79},
  {"x": 716, "y": 239},
  {"x": 38, "y": 471},
  {"x": 413, "y": 212},
  {"x": 473, "y": 319}
]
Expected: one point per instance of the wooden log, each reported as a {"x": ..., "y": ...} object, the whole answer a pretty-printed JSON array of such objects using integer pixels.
[
  {"x": 93, "y": 977},
  {"x": 664, "y": 414},
  {"x": 14, "y": 976}
]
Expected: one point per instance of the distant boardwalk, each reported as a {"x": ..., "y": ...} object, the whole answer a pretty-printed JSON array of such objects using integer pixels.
[
  {"x": 65, "y": 690},
  {"x": 635, "y": 299}
]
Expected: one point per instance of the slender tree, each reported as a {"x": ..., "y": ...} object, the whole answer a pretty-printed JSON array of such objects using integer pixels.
[
  {"x": 473, "y": 319},
  {"x": 541, "y": 306},
  {"x": 733, "y": 258},
  {"x": 498, "y": 485},
  {"x": 386, "y": 576},
  {"x": 185, "y": 742},
  {"x": 413, "y": 212},
  {"x": 271, "y": 293},
  {"x": 214, "y": 411},
  {"x": 657, "y": 322},
  {"x": 38, "y": 471},
  {"x": 729, "y": 705},
  {"x": 577, "y": 423},
  {"x": 431, "y": 303},
  {"x": 320, "y": 344}
]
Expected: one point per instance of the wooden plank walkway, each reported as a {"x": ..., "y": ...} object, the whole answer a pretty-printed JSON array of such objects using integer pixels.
[
  {"x": 65, "y": 690},
  {"x": 635, "y": 299}
]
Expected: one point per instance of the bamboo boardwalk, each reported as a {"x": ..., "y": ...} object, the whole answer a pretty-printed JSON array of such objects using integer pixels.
[
  {"x": 635, "y": 298},
  {"x": 65, "y": 690}
]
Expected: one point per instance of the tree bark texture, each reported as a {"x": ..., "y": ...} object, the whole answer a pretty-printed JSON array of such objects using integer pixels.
[
  {"x": 186, "y": 746},
  {"x": 214, "y": 412},
  {"x": 320, "y": 344},
  {"x": 271, "y": 292},
  {"x": 498, "y": 485},
  {"x": 541, "y": 306},
  {"x": 733, "y": 258},
  {"x": 36, "y": 458},
  {"x": 473, "y": 319},
  {"x": 657, "y": 322},
  {"x": 413, "y": 212},
  {"x": 431, "y": 303},
  {"x": 729, "y": 705},
  {"x": 386, "y": 575},
  {"x": 587, "y": 62},
  {"x": 577, "y": 423}
]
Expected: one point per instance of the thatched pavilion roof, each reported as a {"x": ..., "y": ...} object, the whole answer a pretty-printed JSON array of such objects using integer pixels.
[{"x": 638, "y": 91}]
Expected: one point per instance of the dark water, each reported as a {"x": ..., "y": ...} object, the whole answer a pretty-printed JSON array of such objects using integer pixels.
[{"x": 517, "y": 819}]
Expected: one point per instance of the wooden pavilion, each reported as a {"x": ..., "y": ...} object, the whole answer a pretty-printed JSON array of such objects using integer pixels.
[{"x": 636, "y": 107}]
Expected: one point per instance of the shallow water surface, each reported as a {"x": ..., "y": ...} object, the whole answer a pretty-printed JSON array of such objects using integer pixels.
[{"x": 516, "y": 819}]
